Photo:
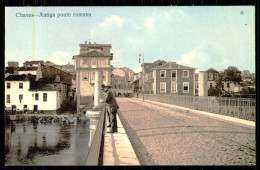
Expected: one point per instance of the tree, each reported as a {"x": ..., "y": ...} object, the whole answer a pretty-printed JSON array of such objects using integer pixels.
[{"x": 231, "y": 74}]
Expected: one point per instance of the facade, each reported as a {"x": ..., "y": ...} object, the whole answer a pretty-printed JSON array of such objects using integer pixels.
[
  {"x": 27, "y": 70},
  {"x": 23, "y": 93},
  {"x": 92, "y": 66},
  {"x": 212, "y": 77},
  {"x": 17, "y": 93},
  {"x": 63, "y": 80},
  {"x": 13, "y": 64},
  {"x": 173, "y": 79},
  {"x": 231, "y": 87},
  {"x": 196, "y": 84},
  {"x": 147, "y": 83}
]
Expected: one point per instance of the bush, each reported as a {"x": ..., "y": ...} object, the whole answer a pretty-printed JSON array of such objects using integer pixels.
[{"x": 214, "y": 91}]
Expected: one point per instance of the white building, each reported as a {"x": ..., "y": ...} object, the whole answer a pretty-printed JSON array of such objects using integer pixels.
[
  {"x": 92, "y": 63},
  {"x": 231, "y": 87},
  {"x": 21, "y": 94}
]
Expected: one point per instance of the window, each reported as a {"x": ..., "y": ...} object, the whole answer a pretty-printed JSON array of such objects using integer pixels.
[
  {"x": 185, "y": 87},
  {"x": 85, "y": 76},
  {"x": 8, "y": 85},
  {"x": 174, "y": 75},
  {"x": 36, "y": 96},
  {"x": 94, "y": 61},
  {"x": 185, "y": 73},
  {"x": 20, "y": 97},
  {"x": 8, "y": 98},
  {"x": 44, "y": 97},
  {"x": 210, "y": 85},
  {"x": 222, "y": 86},
  {"x": 210, "y": 76},
  {"x": 174, "y": 88},
  {"x": 85, "y": 61},
  {"x": 162, "y": 87},
  {"x": 93, "y": 76},
  {"x": 20, "y": 85},
  {"x": 228, "y": 85},
  {"x": 163, "y": 73},
  {"x": 102, "y": 62},
  {"x": 104, "y": 76},
  {"x": 216, "y": 75}
]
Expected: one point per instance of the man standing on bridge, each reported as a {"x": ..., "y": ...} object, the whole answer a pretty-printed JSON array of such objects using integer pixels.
[{"x": 111, "y": 108}]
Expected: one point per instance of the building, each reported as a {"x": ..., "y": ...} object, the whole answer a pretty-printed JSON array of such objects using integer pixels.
[
  {"x": 173, "y": 79},
  {"x": 17, "y": 94},
  {"x": 64, "y": 81},
  {"x": 13, "y": 64},
  {"x": 34, "y": 63},
  {"x": 12, "y": 68},
  {"x": 147, "y": 83},
  {"x": 231, "y": 87},
  {"x": 120, "y": 81},
  {"x": 196, "y": 84},
  {"x": 27, "y": 70},
  {"x": 212, "y": 77},
  {"x": 23, "y": 93},
  {"x": 93, "y": 69}
]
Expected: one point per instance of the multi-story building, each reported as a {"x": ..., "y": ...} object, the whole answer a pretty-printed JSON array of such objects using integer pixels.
[
  {"x": 147, "y": 72},
  {"x": 64, "y": 79},
  {"x": 92, "y": 63},
  {"x": 172, "y": 78},
  {"x": 212, "y": 77}
]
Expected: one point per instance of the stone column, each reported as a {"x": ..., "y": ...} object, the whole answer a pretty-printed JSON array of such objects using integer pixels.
[
  {"x": 203, "y": 84},
  {"x": 97, "y": 88},
  {"x": 109, "y": 76}
]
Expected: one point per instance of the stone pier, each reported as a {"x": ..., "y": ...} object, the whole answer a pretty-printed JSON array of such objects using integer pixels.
[{"x": 203, "y": 86}]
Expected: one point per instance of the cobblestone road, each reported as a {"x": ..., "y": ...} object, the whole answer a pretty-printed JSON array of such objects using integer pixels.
[{"x": 163, "y": 136}]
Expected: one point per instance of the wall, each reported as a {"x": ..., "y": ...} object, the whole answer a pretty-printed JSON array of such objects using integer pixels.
[
  {"x": 180, "y": 81},
  {"x": 32, "y": 72},
  {"x": 52, "y": 103},
  {"x": 14, "y": 92}
]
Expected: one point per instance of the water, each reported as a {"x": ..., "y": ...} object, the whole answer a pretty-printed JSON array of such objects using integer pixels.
[{"x": 38, "y": 143}]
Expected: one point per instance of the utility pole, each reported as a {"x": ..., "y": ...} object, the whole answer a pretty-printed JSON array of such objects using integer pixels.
[{"x": 142, "y": 55}]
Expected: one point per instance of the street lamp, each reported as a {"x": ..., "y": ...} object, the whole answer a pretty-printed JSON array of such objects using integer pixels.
[{"x": 140, "y": 56}]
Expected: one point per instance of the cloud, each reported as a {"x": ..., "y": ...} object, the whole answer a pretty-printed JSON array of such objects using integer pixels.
[
  {"x": 61, "y": 57},
  {"x": 197, "y": 59},
  {"x": 107, "y": 30},
  {"x": 113, "y": 19}
]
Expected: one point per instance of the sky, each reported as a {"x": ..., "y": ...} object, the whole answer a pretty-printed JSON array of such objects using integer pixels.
[{"x": 199, "y": 37}]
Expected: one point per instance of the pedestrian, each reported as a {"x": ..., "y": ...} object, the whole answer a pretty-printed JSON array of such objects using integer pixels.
[{"x": 111, "y": 108}]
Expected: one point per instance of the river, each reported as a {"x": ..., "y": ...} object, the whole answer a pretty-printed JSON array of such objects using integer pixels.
[{"x": 55, "y": 143}]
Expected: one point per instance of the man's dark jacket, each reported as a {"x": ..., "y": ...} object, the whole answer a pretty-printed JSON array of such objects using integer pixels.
[{"x": 112, "y": 102}]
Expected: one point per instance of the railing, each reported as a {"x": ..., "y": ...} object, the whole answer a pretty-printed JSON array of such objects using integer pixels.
[
  {"x": 95, "y": 153},
  {"x": 236, "y": 107}
]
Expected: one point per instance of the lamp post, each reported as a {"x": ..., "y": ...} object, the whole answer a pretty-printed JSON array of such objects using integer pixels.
[{"x": 140, "y": 56}]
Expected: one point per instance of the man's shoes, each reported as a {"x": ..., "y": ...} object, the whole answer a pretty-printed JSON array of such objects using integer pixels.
[{"x": 111, "y": 131}]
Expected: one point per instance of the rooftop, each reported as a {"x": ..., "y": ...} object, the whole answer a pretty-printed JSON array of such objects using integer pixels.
[
  {"x": 43, "y": 86},
  {"x": 34, "y": 62},
  {"x": 27, "y": 68},
  {"x": 22, "y": 77},
  {"x": 172, "y": 65}
]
